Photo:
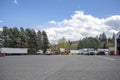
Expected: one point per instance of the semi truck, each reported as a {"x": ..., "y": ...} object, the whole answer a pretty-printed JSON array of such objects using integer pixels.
[{"x": 14, "y": 51}]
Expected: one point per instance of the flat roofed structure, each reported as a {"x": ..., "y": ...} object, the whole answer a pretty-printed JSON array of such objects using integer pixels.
[{"x": 117, "y": 44}]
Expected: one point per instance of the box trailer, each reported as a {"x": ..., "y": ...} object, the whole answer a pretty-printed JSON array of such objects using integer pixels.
[
  {"x": 74, "y": 52},
  {"x": 14, "y": 51}
]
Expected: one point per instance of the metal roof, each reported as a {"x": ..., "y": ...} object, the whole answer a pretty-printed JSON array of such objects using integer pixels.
[{"x": 117, "y": 35}]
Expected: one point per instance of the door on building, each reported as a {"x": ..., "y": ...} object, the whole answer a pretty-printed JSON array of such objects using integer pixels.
[{"x": 118, "y": 46}]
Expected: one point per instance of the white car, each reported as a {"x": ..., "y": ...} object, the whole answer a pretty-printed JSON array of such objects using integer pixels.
[
  {"x": 85, "y": 51},
  {"x": 39, "y": 52},
  {"x": 48, "y": 53},
  {"x": 91, "y": 51}
]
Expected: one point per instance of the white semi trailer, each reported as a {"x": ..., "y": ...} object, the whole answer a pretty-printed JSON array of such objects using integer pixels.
[{"x": 13, "y": 51}]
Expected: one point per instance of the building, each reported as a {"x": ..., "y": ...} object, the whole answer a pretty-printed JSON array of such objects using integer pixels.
[
  {"x": 1, "y": 40},
  {"x": 62, "y": 40},
  {"x": 117, "y": 43}
]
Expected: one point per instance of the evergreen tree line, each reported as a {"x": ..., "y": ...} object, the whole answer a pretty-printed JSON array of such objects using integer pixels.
[
  {"x": 25, "y": 38},
  {"x": 100, "y": 41}
]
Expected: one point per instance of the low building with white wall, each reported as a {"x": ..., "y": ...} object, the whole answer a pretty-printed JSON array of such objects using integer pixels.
[{"x": 117, "y": 44}]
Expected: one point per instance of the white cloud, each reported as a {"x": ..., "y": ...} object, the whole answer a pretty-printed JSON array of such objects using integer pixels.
[
  {"x": 15, "y": 1},
  {"x": 1, "y": 21},
  {"x": 81, "y": 25},
  {"x": 113, "y": 22},
  {"x": 52, "y": 22}
]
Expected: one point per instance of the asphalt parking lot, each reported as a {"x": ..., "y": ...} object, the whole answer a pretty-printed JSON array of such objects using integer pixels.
[{"x": 60, "y": 67}]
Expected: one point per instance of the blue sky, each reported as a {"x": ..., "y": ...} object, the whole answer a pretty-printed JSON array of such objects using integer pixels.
[
  {"x": 72, "y": 19},
  {"x": 28, "y": 13}
]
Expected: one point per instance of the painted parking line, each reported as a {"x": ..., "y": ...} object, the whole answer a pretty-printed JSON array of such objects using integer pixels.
[{"x": 106, "y": 58}]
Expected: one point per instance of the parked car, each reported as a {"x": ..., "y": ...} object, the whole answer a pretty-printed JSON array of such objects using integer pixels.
[
  {"x": 48, "y": 53},
  {"x": 88, "y": 51},
  {"x": 91, "y": 51},
  {"x": 101, "y": 53},
  {"x": 85, "y": 52},
  {"x": 104, "y": 51},
  {"x": 107, "y": 52},
  {"x": 39, "y": 52}
]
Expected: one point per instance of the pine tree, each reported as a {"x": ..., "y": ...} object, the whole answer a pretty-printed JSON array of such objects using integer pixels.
[
  {"x": 15, "y": 37},
  {"x": 31, "y": 38},
  {"x": 39, "y": 40},
  {"x": 22, "y": 38},
  {"x": 5, "y": 35},
  {"x": 45, "y": 41}
]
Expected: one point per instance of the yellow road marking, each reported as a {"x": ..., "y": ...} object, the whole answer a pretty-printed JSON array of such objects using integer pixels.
[{"x": 107, "y": 58}]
